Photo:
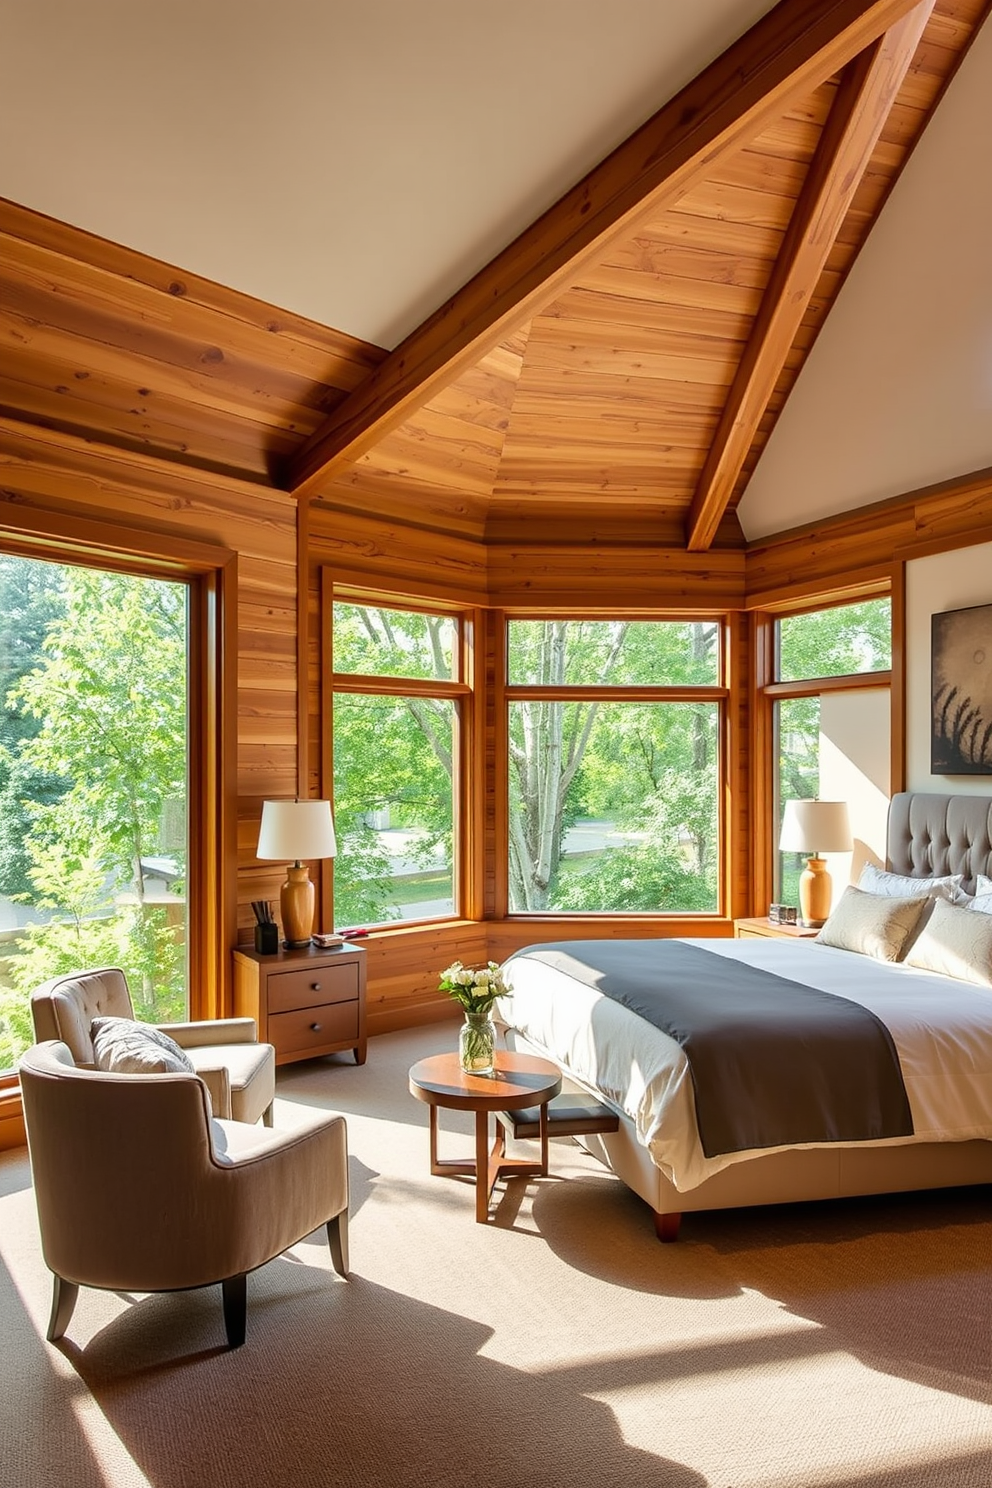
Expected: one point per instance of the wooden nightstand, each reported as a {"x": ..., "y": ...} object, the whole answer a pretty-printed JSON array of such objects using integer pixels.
[
  {"x": 764, "y": 928},
  {"x": 307, "y": 1002}
]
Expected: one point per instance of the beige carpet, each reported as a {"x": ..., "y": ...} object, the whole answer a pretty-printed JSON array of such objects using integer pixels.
[{"x": 560, "y": 1345}]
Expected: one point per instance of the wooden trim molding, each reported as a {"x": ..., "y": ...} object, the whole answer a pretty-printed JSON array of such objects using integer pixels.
[
  {"x": 213, "y": 895},
  {"x": 737, "y": 808},
  {"x": 764, "y": 666},
  {"x": 302, "y": 650},
  {"x": 850, "y": 555},
  {"x": 897, "y": 761},
  {"x": 814, "y": 686},
  {"x": 470, "y": 792}
]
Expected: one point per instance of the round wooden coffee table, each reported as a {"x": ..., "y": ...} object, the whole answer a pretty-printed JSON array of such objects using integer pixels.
[{"x": 519, "y": 1080}]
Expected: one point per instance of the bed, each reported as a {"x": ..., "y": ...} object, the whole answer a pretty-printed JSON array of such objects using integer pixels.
[{"x": 575, "y": 1003}]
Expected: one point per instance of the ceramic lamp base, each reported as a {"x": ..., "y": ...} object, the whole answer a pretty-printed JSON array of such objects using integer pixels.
[
  {"x": 297, "y": 899},
  {"x": 815, "y": 894}
]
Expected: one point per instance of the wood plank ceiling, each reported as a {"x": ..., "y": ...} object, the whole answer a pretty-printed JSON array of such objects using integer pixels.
[{"x": 611, "y": 377}]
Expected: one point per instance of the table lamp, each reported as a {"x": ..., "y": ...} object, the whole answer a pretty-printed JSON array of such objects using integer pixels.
[
  {"x": 813, "y": 828},
  {"x": 297, "y": 830}
]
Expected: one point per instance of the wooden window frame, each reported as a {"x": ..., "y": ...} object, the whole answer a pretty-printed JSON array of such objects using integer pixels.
[
  {"x": 464, "y": 691},
  {"x": 767, "y": 691},
  {"x": 504, "y": 693},
  {"x": 211, "y": 574}
]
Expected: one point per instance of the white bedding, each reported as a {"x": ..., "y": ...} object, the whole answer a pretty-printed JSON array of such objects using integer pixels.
[{"x": 942, "y": 1030}]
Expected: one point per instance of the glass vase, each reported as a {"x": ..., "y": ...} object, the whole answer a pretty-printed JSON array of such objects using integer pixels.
[{"x": 477, "y": 1044}]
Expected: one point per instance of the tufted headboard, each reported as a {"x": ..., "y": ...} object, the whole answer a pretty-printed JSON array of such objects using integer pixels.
[{"x": 936, "y": 834}]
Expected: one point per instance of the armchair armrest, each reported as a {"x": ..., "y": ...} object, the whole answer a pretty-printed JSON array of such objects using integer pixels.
[
  {"x": 212, "y": 1031},
  {"x": 218, "y": 1082}
]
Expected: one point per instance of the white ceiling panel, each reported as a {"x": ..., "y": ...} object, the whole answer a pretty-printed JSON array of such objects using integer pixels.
[{"x": 354, "y": 161}]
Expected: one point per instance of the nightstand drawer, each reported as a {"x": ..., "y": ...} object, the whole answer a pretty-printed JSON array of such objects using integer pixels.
[
  {"x": 287, "y": 993},
  {"x": 312, "y": 1028},
  {"x": 304, "y": 989}
]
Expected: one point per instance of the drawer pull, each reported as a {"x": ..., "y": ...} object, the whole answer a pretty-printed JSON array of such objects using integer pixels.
[
  {"x": 315, "y": 1027},
  {"x": 314, "y": 986}
]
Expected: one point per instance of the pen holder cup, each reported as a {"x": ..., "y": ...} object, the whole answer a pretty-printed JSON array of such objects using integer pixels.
[{"x": 267, "y": 939}]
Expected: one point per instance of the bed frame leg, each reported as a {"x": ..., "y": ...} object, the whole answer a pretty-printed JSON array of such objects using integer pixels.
[{"x": 667, "y": 1227}]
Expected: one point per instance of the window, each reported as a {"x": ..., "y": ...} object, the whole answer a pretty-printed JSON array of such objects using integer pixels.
[
  {"x": 399, "y": 699},
  {"x": 830, "y": 711},
  {"x": 614, "y": 732},
  {"x": 93, "y": 785}
]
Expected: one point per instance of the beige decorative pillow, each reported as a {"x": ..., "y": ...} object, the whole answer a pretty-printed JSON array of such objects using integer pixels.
[
  {"x": 981, "y": 904},
  {"x": 127, "y": 1047},
  {"x": 903, "y": 886},
  {"x": 955, "y": 943},
  {"x": 877, "y": 925}
]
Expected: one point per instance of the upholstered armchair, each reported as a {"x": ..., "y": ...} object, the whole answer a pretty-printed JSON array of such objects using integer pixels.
[
  {"x": 239, "y": 1072},
  {"x": 139, "y": 1189}
]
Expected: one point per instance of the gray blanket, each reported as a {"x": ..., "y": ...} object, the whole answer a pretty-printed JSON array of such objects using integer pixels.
[{"x": 773, "y": 1063}]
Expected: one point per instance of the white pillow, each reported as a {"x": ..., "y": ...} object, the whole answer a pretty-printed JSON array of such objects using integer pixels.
[
  {"x": 955, "y": 944},
  {"x": 981, "y": 900},
  {"x": 904, "y": 886},
  {"x": 127, "y": 1047},
  {"x": 878, "y": 925}
]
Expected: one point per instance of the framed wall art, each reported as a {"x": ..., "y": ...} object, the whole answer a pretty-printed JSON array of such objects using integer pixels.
[{"x": 961, "y": 692}]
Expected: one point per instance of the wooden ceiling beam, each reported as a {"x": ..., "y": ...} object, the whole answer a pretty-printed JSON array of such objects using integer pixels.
[
  {"x": 867, "y": 91},
  {"x": 786, "y": 54}
]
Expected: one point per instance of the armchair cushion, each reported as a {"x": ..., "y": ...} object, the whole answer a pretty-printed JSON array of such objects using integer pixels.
[{"x": 127, "y": 1047}]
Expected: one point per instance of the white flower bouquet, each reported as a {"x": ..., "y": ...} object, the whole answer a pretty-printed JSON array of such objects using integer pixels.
[{"x": 475, "y": 991}]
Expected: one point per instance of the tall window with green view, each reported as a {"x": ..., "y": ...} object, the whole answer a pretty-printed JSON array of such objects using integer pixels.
[
  {"x": 93, "y": 785},
  {"x": 820, "y": 657},
  {"x": 398, "y": 695},
  {"x": 614, "y": 730}
]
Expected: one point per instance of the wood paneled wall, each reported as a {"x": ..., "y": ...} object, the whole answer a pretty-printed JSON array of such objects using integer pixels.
[
  {"x": 47, "y": 479},
  {"x": 101, "y": 341}
]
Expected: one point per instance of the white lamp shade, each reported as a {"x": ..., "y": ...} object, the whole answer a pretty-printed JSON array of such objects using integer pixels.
[
  {"x": 815, "y": 827},
  {"x": 293, "y": 831}
]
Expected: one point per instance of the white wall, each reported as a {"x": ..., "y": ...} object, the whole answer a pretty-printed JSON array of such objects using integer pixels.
[
  {"x": 854, "y": 767},
  {"x": 897, "y": 391},
  {"x": 945, "y": 581},
  {"x": 353, "y": 161}
]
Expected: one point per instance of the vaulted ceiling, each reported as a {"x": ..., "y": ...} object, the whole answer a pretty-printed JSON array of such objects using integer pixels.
[{"x": 612, "y": 375}]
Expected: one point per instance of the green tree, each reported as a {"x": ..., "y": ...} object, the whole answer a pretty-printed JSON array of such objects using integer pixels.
[
  {"x": 108, "y": 701},
  {"x": 842, "y": 641},
  {"x": 393, "y": 756},
  {"x": 648, "y": 768},
  {"x": 31, "y": 598}
]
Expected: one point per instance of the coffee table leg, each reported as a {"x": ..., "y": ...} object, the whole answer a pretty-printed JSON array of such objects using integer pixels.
[
  {"x": 544, "y": 1139},
  {"x": 482, "y": 1185},
  {"x": 434, "y": 1164}
]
